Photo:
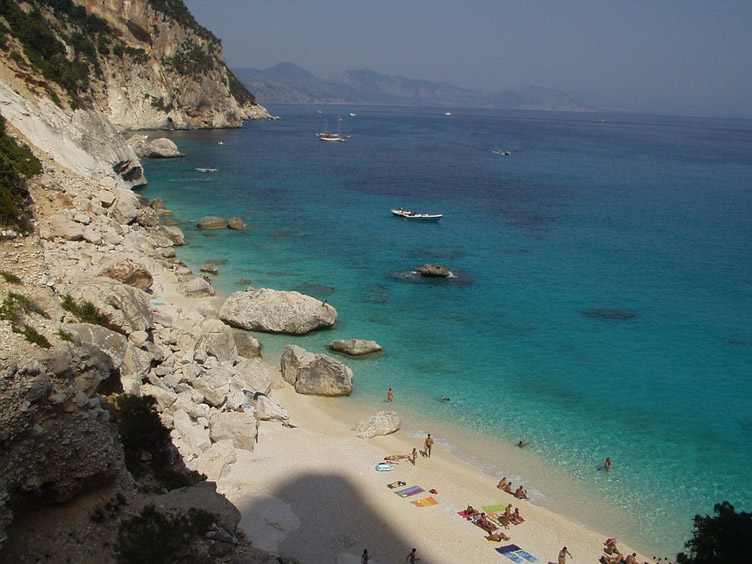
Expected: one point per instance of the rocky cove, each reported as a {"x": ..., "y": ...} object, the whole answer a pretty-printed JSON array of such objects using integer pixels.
[{"x": 167, "y": 336}]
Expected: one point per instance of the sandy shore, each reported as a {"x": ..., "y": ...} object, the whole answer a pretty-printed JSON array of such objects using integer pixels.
[{"x": 313, "y": 493}]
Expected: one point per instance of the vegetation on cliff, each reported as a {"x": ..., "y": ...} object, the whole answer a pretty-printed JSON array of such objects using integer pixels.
[
  {"x": 68, "y": 46},
  {"x": 44, "y": 42},
  {"x": 17, "y": 163}
]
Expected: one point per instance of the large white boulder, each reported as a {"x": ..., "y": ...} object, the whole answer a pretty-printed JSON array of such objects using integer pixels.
[
  {"x": 127, "y": 308},
  {"x": 217, "y": 340},
  {"x": 275, "y": 311},
  {"x": 239, "y": 427},
  {"x": 381, "y": 423},
  {"x": 315, "y": 374}
]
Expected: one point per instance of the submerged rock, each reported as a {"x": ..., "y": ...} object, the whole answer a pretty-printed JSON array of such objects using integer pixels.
[
  {"x": 610, "y": 314},
  {"x": 212, "y": 222}
]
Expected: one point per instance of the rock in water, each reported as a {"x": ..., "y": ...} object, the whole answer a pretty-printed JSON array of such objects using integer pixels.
[
  {"x": 212, "y": 222},
  {"x": 434, "y": 271},
  {"x": 355, "y": 347}
]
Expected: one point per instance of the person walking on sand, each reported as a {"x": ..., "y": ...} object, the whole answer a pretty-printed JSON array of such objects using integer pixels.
[
  {"x": 365, "y": 557},
  {"x": 563, "y": 553},
  {"x": 427, "y": 445},
  {"x": 389, "y": 396},
  {"x": 414, "y": 456},
  {"x": 412, "y": 558}
]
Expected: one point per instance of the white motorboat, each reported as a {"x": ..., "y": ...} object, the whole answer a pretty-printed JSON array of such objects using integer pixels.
[{"x": 407, "y": 214}]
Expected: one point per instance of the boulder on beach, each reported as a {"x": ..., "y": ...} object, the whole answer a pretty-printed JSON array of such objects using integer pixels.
[
  {"x": 275, "y": 311},
  {"x": 212, "y": 222},
  {"x": 195, "y": 288},
  {"x": 128, "y": 272},
  {"x": 381, "y": 423},
  {"x": 434, "y": 271},
  {"x": 315, "y": 374},
  {"x": 354, "y": 347}
]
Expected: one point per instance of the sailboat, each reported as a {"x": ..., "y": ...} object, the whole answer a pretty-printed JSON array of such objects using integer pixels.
[{"x": 334, "y": 136}]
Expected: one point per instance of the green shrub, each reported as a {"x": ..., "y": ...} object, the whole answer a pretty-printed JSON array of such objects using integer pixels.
[
  {"x": 156, "y": 538},
  {"x": 16, "y": 304},
  {"x": 35, "y": 337},
  {"x": 11, "y": 278},
  {"x": 17, "y": 163},
  {"x": 64, "y": 336},
  {"x": 87, "y": 312},
  {"x": 171, "y": 479}
]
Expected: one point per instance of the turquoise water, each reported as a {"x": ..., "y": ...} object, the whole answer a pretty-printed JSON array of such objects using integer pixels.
[{"x": 646, "y": 219}]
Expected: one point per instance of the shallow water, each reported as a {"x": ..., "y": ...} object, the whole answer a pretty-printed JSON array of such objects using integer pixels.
[{"x": 603, "y": 299}]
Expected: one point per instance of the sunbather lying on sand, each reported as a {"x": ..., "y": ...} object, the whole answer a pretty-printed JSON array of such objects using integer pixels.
[
  {"x": 497, "y": 537},
  {"x": 471, "y": 511},
  {"x": 485, "y": 524},
  {"x": 393, "y": 457}
]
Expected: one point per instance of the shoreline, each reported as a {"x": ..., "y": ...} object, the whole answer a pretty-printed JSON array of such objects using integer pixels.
[
  {"x": 287, "y": 487},
  {"x": 550, "y": 488}
]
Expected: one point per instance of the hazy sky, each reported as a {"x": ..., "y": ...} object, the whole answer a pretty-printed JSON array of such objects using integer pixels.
[{"x": 683, "y": 57}]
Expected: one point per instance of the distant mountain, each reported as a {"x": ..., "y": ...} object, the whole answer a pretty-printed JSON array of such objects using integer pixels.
[{"x": 287, "y": 83}]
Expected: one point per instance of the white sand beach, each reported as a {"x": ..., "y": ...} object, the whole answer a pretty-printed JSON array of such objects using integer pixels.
[{"x": 312, "y": 492}]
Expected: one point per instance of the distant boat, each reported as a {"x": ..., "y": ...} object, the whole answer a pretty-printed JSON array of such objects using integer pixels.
[
  {"x": 206, "y": 169},
  {"x": 325, "y": 136},
  {"x": 399, "y": 212},
  {"x": 447, "y": 113},
  {"x": 353, "y": 114},
  {"x": 502, "y": 153}
]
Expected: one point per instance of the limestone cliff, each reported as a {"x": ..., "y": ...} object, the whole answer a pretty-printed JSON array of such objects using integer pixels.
[
  {"x": 74, "y": 75},
  {"x": 175, "y": 76}
]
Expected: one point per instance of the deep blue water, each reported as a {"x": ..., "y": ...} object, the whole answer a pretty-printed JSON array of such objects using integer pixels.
[{"x": 648, "y": 218}]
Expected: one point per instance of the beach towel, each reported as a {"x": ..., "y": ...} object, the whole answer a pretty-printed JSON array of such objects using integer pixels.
[
  {"x": 499, "y": 508},
  {"x": 397, "y": 484},
  {"x": 515, "y": 553},
  {"x": 425, "y": 502},
  {"x": 527, "y": 556},
  {"x": 407, "y": 492},
  {"x": 513, "y": 556}
]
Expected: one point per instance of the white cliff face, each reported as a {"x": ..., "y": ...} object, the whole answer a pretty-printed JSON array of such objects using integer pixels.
[
  {"x": 84, "y": 141},
  {"x": 179, "y": 82}
]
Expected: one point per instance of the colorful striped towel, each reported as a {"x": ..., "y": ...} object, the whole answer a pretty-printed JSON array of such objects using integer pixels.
[
  {"x": 407, "y": 492},
  {"x": 425, "y": 502}
]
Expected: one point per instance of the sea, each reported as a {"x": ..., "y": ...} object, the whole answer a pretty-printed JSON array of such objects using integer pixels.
[{"x": 600, "y": 303}]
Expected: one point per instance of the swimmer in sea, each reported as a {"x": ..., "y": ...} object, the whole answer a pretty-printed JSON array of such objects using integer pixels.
[
  {"x": 522, "y": 444},
  {"x": 444, "y": 398}
]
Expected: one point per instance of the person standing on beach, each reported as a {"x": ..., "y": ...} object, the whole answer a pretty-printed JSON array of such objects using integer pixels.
[
  {"x": 427, "y": 445},
  {"x": 414, "y": 456},
  {"x": 563, "y": 553},
  {"x": 366, "y": 557},
  {"x": 389, "y": 396},
  {"x": 412, "y": 558}
]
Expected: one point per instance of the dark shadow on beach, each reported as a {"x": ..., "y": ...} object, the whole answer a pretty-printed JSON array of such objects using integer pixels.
[{"x": 334, "y": 518}]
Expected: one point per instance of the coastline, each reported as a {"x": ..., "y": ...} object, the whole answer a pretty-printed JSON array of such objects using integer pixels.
[
  {"x": 312, "y": 493},
  {"x": 480, "y": 459}
]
